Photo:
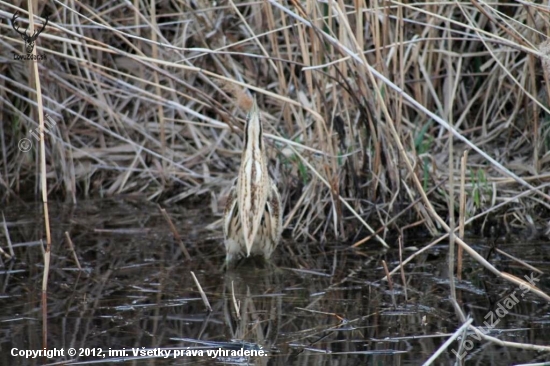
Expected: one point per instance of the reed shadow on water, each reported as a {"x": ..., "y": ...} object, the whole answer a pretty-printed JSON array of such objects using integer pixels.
[{"x": 313, "y": 305}]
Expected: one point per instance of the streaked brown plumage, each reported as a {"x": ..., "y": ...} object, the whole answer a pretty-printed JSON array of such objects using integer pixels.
[{"x": 253, "y": 217}]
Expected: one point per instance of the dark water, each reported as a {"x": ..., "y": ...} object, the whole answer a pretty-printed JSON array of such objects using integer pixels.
[{"x": 317, "y": 305}]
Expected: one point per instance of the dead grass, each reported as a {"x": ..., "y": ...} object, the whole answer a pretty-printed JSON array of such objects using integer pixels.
[{"x": 358, "y": 101}]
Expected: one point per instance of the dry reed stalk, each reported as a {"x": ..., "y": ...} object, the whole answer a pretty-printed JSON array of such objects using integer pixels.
[
  {"x": 403, "y": 278},
  {"x": 5, "y": 254},
  {"x": 175, "y": 233},
  {"x": 501, "y": 343},
  {"x": 73, "y": 252},
  {"x": 43, "y": 182},
  {"x": 523, "y": 263},
  {"x": 203, "y": 295},
  {"x": 451, "y": 205},
  {"x": 8, "y": 240},
  {"x": 462, "y": 211},
  {"x": 236, "y": 304},
  {"x": 155, "y": 54},
  {"x": 459, "y": 332}
]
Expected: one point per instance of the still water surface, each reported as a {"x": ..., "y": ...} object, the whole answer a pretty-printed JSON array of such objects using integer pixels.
[{"x": 318, "y": 304}]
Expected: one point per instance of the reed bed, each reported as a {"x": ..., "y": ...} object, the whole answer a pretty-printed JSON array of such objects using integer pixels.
[{"x": 361, "y": 104}]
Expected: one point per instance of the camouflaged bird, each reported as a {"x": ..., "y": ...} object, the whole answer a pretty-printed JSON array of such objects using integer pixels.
[{"x": 253, "y": 217}]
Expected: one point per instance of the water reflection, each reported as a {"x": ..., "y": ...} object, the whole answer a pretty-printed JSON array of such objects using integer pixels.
[{"x": 317, "y": 305}]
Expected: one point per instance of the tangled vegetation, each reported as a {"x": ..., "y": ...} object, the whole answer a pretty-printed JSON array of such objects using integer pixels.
[{"x": 368, "y": 107}]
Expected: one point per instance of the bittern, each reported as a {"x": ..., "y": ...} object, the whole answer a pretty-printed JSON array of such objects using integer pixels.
[{"x": 253, "y": 217}]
